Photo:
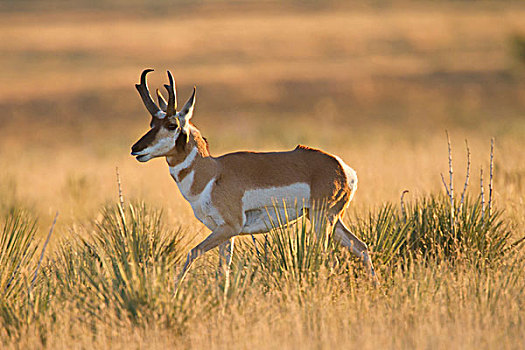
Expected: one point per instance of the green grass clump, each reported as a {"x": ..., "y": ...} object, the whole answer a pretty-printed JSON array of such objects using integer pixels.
[
  {"x": 385, "y": 232},
  {"x": 125, "y": 263},
  {"x": 426, "y": 229},
  {"x": 17, "y": 249},
  {"x": 472, "y": 233},
  {"x": 21, "y": 304}
]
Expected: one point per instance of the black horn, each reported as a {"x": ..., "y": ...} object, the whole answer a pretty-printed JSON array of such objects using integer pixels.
[
  {"x": 171, "y": 109},
  {"x": 142, "y": 88},
  {"x": 162, "y": 102}
]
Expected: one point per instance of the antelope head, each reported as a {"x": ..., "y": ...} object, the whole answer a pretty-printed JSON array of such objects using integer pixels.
[{"x": 168, "y": 127}]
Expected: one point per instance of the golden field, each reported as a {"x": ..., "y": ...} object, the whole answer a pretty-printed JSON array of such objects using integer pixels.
[{"x": 376, "y": 85}]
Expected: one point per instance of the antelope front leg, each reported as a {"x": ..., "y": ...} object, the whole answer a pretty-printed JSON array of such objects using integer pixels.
[
  {"x": 219, "y": 236},
  {"x": 226, "y": 254}
]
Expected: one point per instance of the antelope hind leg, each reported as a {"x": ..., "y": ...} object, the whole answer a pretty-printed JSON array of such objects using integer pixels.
[{"x": 356, "y": 247}]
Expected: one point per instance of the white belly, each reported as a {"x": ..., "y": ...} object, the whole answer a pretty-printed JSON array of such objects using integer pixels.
[
  {"x": 263, "y": 220},
  {"x": 282, "y": 203},
  {"x": 297, "y": 194},
  {"x": 269, "y": 207}
]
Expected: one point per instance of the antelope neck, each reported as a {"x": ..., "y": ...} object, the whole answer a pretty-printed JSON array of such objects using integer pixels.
[{"x": 190, "y": 163}]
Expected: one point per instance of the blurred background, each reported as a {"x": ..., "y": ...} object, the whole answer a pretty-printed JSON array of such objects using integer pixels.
[{"x": 376, "y": 82}]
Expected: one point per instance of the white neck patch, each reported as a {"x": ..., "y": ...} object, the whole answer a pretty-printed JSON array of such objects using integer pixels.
[
  {"x": 185, "y": 186},
  {"x": 176, "y": 169}
]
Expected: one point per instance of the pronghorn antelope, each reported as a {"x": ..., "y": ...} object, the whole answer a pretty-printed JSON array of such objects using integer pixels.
[{"x": 242, "y": 192}]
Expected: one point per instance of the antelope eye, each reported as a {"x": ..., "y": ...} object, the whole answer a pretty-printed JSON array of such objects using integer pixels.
[{"x": 172, "y": 126}]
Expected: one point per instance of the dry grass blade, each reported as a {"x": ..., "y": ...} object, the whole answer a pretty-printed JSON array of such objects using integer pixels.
[
  {"x": 445, "y": 185},
  {"x": 467, "y": 175},
  {"x": 491, "y": 174},
  {"x": 42, "y": 253},
  {"x": 119, "y": 186},
  {"x": 403, "y": 211},
  {"x": 482, "y": 192},
  {"x": 451, "y": 185}
]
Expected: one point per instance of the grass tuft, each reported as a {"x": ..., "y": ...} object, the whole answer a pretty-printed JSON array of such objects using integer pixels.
[
  {"x": 17, "y": 249},
  {"x": 125, "y": 264},
  {"x": 424, "y": 230}
]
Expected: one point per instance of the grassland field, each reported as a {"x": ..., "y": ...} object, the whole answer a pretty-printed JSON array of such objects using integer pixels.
[{"x": 377, "y": 85}]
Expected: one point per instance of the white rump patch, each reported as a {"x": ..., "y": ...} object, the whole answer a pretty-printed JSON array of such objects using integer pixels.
[{"x": 351, "y": 176}]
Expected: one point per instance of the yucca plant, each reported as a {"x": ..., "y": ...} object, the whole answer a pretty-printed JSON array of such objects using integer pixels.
[
  {"x": 125, "y": 264},
  {"x": 385, "y": 231},
  {"x": 484, "y": 238},
  {"x": 456, "y": 226},
  {"x": 439, "y": 227},
  {"x": 17, "y": 249},
  {"x": 423, "y": 228},
  {"x": 472, "y": 235},
  {"x": 23, "y": 301}
]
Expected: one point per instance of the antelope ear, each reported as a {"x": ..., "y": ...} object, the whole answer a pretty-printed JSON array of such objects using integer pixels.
[{"x": 186, "y": 112}]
